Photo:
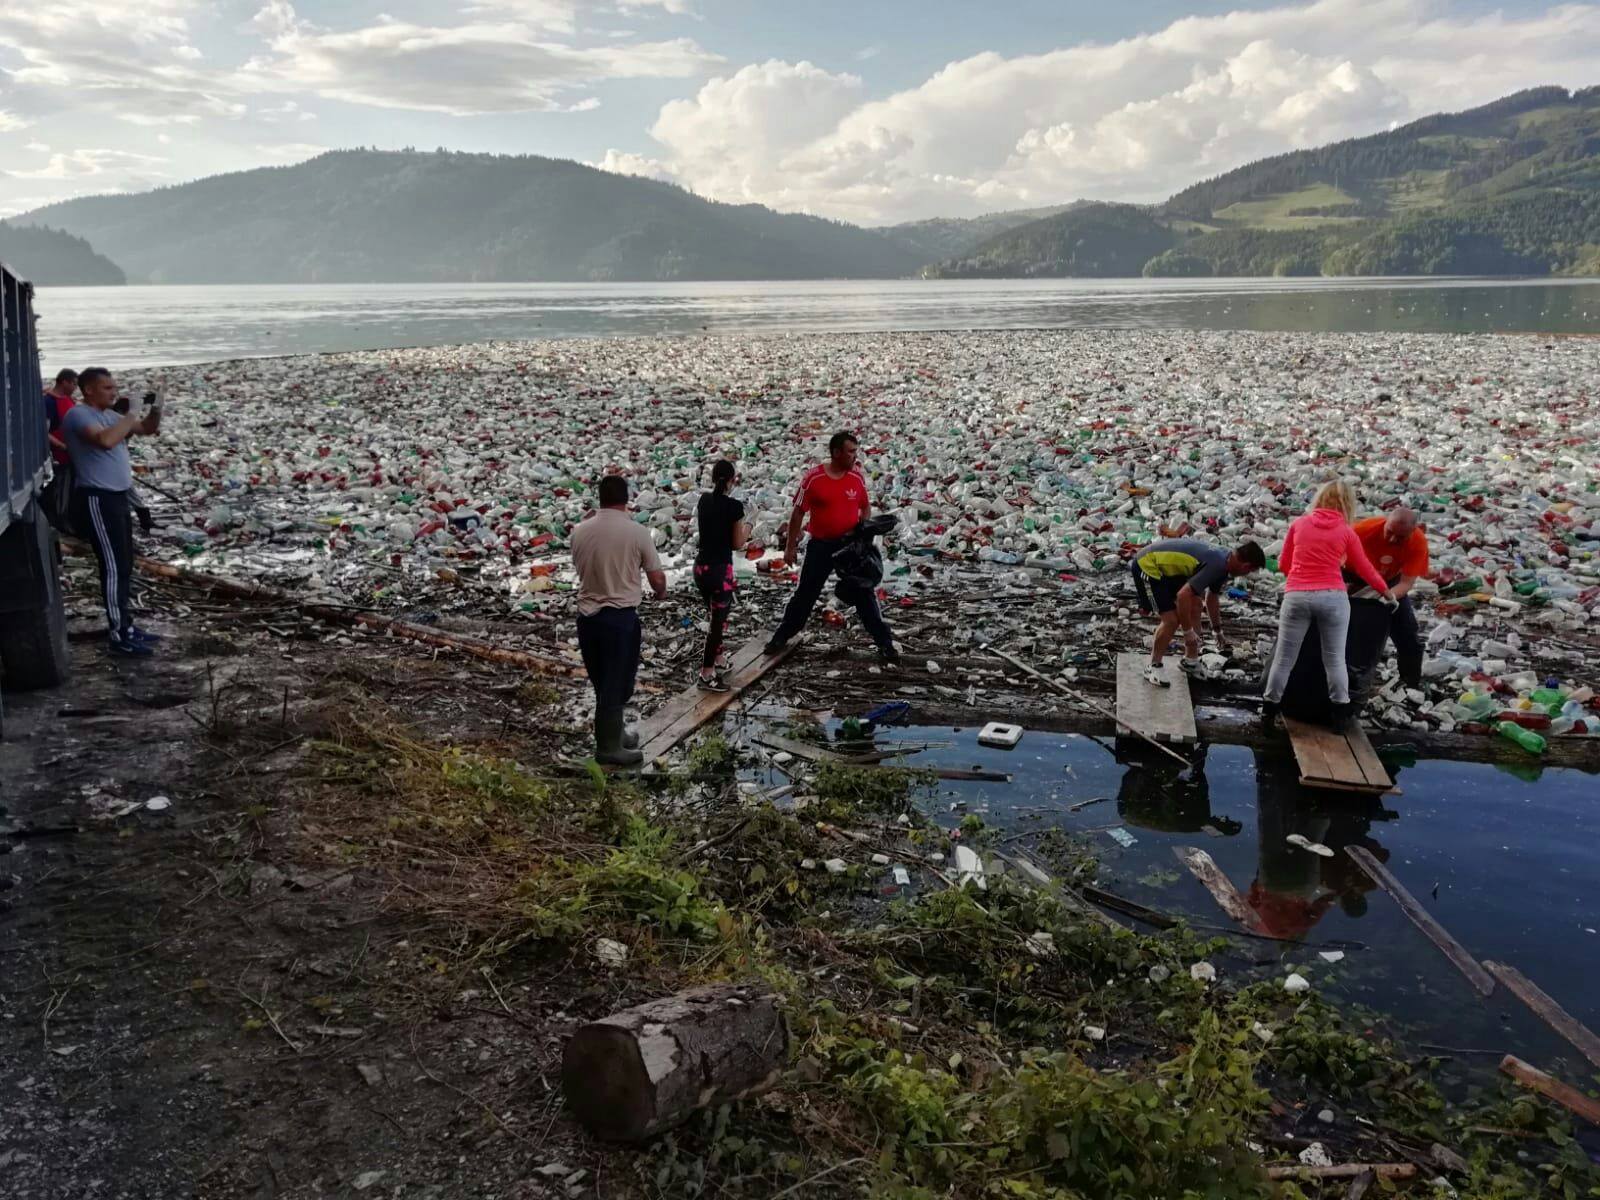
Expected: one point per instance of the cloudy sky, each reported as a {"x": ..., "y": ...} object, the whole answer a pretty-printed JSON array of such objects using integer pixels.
[{"x": 867, "y": 110}]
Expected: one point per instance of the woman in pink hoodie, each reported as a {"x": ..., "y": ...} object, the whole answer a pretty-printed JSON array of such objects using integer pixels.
[{"x": 1317, "y": 548}]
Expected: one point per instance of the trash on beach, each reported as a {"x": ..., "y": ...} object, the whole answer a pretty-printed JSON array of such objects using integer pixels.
[
  {"x": 969, "y": 868},
  {"x": 1295, "y": 984},
  {"x": 1122, "y": 837}
]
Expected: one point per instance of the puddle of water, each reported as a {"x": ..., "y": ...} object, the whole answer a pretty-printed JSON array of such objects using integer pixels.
[{"x": 1513, "y": 861}]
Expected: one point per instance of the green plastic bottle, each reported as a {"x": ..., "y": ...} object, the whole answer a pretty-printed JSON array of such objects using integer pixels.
[
  {"x": 1526, "y": 738},
  {"x": 1545, "y": 695}
]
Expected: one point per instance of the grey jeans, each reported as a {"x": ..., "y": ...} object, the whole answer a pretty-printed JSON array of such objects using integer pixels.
[{"x": 1331, "y": 611}]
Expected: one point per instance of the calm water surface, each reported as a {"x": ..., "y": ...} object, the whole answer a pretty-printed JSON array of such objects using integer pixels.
[
  {"x": 145, "y": 326},
  {"x": 1505, "y": 860}
]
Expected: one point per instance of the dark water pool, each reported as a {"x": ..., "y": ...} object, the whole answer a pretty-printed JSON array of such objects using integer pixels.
[{"x": 1509, "y": 865}]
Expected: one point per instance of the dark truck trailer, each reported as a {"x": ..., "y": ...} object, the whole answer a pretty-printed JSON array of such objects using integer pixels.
[{"x": 33, "y": 629}]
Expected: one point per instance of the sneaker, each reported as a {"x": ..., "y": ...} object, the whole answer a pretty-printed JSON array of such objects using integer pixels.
[
  {"x": 1157, "y": 677},
  {"x": 712, "y": 683},
  {"x": 1269, "y": 715},
  {"x": 773, "y": 647},
  {"x": 889, "y": 656},
  {"x": 135, "y": 634},
  {"x": 1192, "y": 666},
  {"x": 130, "y": 649}
]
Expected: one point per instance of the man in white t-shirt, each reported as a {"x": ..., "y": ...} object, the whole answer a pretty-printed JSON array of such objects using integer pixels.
[{"x": 610, "y": 550}]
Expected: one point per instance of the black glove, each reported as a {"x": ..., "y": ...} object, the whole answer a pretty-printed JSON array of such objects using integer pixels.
[{"x": 146, "y": 523}]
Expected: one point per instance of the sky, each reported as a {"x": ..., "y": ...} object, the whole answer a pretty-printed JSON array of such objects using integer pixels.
[{"x": 872, "y": 111}]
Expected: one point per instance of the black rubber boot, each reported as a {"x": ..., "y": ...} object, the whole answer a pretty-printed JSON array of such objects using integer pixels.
[
  {"x": 608, "y": 748},
  {"x": 1345, "y": 718},
  {"x": 1269, "y": 716},
  {"x": 630, "y": 737}
]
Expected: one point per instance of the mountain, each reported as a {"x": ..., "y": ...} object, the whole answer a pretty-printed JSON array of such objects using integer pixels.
[
  {"x": 51, "y": 257},
  {"x": 357, "y": 216},
  {"x": 1104, "y": 240},
  {"x": 1512, "y": 187},
  {"x": 947, "y": 237}
]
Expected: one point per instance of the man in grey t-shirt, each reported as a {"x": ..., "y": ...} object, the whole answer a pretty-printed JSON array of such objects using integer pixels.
[
  {"x": 1169, "y": 579},
  {"x": 97, "y": 441}
]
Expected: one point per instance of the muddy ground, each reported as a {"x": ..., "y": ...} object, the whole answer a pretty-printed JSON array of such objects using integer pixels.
[{"x": 197, "y": 1000}]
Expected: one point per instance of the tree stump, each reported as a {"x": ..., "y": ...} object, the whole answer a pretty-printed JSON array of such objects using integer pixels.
[{"x": 640, "y": 1071}]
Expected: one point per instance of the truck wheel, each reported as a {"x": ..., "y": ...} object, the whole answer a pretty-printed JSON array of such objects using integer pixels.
[{"x": 33, "y": 639}]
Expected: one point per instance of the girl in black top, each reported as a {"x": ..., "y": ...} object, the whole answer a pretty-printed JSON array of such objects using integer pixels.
[{"x": 722, "y": 531}]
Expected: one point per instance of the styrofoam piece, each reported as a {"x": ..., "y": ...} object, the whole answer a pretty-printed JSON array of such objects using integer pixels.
[{"x": 998, "y": 733}]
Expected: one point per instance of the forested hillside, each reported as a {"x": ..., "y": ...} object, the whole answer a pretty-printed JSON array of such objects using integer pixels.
[
  {"x": 1508, "y": 188},
  {"x": 49, "y": 257},
  {"x": 373, "y": 216}
]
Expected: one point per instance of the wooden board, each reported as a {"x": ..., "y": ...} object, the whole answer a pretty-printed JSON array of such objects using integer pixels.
[
  {"x": 1480, "y": 979},
  {"x": 1164, "y": 713},
  {"x": 1569, "y": 1097},
  {"x": 1343, "y": 760},
  {"x": 1547, "y": 1010},
  {"x": 1205, "y": 869},
  {"x": 692, "y": 708}
]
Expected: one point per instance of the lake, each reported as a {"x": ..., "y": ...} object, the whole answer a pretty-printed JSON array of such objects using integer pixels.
[{"x": 148, "y": 326}]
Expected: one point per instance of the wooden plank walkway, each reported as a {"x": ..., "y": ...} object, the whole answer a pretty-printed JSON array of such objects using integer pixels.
[
  {"x": 1337, "y": 759},
  {"x": 692, "y": 708},
  {"x": 1164, "y": 713}
]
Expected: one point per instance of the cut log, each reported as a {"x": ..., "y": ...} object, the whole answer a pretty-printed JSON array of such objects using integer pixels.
[
  {"x": 1551, "y": 1088},
  {"x": 645, "y": 1069}
]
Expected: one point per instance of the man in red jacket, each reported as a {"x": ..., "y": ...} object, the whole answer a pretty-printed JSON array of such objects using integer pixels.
[{"x": 834, "y": 495}]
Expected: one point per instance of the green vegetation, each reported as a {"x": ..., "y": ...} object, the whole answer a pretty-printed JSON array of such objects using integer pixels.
[
  {"x": 950, "y": 237},
  {"x": 51, "y": 257},
  {"x": 1094, "y": 240},
  {"x": 357, "y": 216},
  {"x": 1509, "y": 188},
  {"x": 954, "y": 1043}
]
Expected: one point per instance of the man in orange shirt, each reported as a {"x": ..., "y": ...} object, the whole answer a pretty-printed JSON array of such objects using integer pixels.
[
  {"x": 1398, "y": 548},
  {"x": 834, "y": 495}
]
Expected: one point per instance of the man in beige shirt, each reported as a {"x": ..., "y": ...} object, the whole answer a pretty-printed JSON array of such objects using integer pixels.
[{"x": 610, "y": 550}]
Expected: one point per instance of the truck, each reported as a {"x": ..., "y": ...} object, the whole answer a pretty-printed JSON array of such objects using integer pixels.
[{"x": 33, "y": 625}]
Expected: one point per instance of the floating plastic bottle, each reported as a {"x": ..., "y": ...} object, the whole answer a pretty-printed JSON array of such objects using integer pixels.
[{"x": 1526, "y": 738}]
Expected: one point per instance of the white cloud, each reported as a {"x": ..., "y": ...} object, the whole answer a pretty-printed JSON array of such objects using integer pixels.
[
  {"x": 78, "y": 164},
  {"x": 483, "y": 66},
  {"x": 620, "y": 162},
  {"x": 1135, "y": 119},
  {"x": 295, "y": 151},
  {"x": 10, "y": 122}
]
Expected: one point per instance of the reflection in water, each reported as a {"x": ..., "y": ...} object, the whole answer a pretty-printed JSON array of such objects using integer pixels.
[
  {"x": 1157, "y": 794},
  {"x": 1295, "y": 887}
]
